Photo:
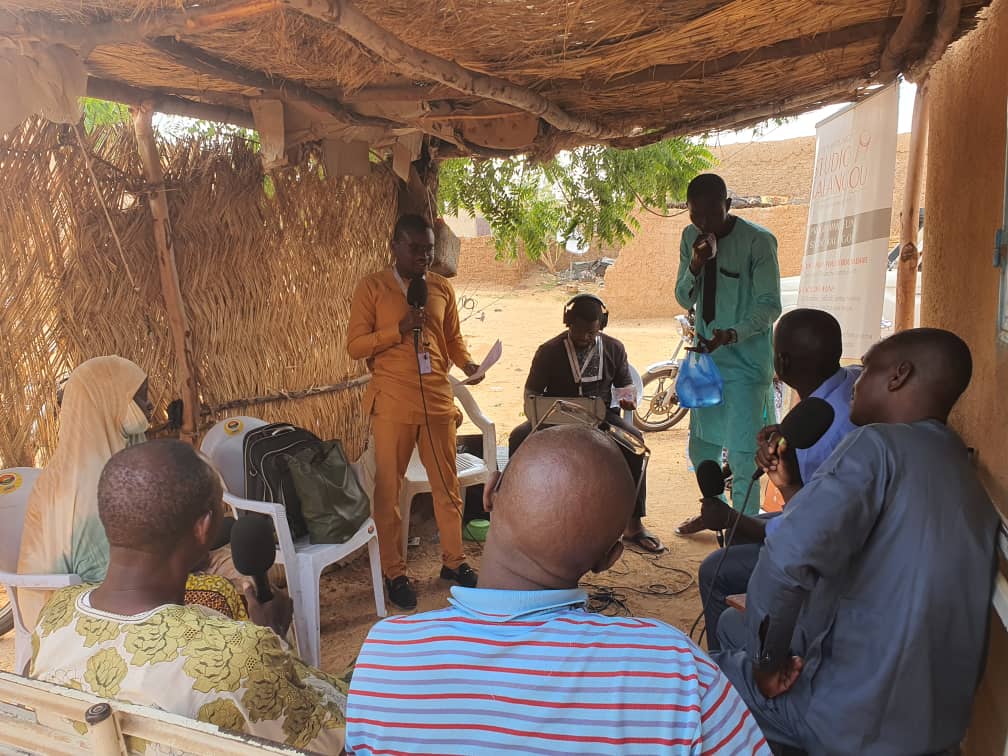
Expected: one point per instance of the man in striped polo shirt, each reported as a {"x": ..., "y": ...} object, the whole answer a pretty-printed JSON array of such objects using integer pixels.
[{"x": 518, "y": 665}]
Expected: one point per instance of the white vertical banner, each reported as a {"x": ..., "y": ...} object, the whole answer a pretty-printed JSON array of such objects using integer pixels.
[{"x": 850, "y": 209}]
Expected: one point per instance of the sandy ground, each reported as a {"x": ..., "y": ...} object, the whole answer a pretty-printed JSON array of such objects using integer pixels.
[{"x": 524, "y": 318}]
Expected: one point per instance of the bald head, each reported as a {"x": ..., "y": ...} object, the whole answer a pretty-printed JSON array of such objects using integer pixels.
[
  {"x": 808, "y": 345},
  {"x": 916, "y": 374},
  {"x": 563, "y": 503},
  {"x": 151, "y": 495}
]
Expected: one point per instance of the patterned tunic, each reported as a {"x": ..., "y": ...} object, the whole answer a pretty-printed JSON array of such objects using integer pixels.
[{"x": 192, "y": 661}]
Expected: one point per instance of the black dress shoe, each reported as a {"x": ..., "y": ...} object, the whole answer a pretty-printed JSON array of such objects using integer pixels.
[
  {"x": 465, "y": 575},
  {"x": 401, "y": 592}
]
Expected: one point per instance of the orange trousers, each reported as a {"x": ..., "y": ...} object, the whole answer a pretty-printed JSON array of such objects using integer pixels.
[{"x": 394, "y": 443}]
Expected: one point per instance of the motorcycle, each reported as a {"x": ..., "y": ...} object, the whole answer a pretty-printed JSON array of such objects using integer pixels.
[
  {"x": 659, "y": 407},
  {"x": 6, "y": 615}
]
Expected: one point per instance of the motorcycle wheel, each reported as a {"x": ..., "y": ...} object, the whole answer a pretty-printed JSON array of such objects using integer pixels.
[
  {"x": 6, "y": 617},
  {"x": 659, "y": 407}
]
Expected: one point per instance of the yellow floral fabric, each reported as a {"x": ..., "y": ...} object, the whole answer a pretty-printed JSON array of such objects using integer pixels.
[
  {"x": 217, "y": 593},
  {"x": 193, "y": 661}
]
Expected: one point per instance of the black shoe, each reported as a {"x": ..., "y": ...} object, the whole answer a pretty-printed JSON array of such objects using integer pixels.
[
  {"x": 465, "y": 575},
  {"x": 401, "y": 592}
]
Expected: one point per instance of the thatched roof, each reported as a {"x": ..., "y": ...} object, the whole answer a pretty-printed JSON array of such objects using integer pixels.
[{"x": 494, "y": 77}]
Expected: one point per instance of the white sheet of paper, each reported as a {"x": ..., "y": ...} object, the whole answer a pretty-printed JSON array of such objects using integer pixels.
[
  {"x": 488, "y": 362},
  {"x": 624, "y": 393}
]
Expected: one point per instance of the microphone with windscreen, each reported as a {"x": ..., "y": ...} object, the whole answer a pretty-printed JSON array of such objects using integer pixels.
[
  {"x": 223, "y": 534},
  {"x": 416, "y": 297},
  {"x": 803, "y": 426},
  {"x": 710, "y": 478},
  {"x": 254, "y": 552}
]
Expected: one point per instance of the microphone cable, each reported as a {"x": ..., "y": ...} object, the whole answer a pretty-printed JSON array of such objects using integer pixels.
[
  {"x": 430, "y": 437},
  {"x": 717, "y": 567}
]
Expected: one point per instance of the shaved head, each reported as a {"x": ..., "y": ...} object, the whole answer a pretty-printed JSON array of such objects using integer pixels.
[
  {"x": 563, "y": 503},
  {"x": 150, "y": 495},
  {"x": 929, "y": 368}
]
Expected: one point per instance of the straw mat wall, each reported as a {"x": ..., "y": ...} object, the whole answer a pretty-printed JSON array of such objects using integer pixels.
[{"x": 267, "y": 279}]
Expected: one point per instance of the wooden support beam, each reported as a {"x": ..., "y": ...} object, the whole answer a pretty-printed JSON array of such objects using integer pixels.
[
  {"x": 171, "y": 292},
  {"x": 945, "y": 29},
  {"x": 847, "y": 88},
  {"x": 401, "y": 93},
  {"x": 909, "y": 258},
  {"x": 345, "y": 16},
  {"x": 812, "y": 44},
  {"x": 116, "y": 91},
  {"x": 167, "y": 23},
  {"x": 203, "y": 62},
  {"x": 906, "y": 34}
]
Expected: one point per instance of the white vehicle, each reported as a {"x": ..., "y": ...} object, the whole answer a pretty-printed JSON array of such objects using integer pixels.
[{"x": 789, "y": 300}]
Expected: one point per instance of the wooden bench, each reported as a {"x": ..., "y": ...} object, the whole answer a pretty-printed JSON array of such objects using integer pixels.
[{"x": 40, "y": 717}]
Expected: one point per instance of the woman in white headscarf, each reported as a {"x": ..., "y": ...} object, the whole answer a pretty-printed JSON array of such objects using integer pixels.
[{"x": 104, "y": 409}]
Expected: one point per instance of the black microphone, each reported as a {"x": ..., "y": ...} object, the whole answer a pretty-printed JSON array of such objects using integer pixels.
[
  {"x": 416, "y": 297},
  {"x": 710, "y": 478},
  {"x": 803, "y": 426},
  {"x": 254, "y": 552},
  {"x": 223, "y": 533}
]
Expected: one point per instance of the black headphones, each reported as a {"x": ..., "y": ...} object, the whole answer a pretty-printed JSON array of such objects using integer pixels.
[{"x": 569, "y": 307}]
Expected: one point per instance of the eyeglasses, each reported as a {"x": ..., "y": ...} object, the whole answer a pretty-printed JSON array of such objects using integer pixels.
[{"x": 565, "y": 413}]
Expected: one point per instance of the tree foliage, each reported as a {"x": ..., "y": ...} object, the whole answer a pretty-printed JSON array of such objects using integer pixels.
[
  {"x": 103, "y": 113},
  {"x": 586, "y": 194}
]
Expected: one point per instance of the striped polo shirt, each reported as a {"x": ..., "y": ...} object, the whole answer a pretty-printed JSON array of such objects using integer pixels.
[{"x": 533, "y": 672}]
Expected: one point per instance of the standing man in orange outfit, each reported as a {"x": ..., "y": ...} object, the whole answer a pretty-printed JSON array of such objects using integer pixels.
[{"x": 410, "y": 398}]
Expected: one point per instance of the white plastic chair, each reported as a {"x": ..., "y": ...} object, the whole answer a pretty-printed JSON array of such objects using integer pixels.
[
  {"x": 303, "y": 561},
  {"x": 472, "y": 471},
  {"x": 16, "y": 484}
]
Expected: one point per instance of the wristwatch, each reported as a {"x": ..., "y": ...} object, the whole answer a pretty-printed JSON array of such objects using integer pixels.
[{"x": 732, "y": 336}]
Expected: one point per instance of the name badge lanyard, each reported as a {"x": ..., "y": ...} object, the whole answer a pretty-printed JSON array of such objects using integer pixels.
[{"x": 578, "y": 371}]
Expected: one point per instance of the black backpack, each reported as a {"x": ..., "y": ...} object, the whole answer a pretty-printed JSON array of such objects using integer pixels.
[{"x": 267, "y": 477}]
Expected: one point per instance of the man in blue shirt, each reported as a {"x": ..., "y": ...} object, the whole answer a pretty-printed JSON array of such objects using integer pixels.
[
  {"x": 728, "y": 270},
  {"x": 867, "y": 614},
  {"x": 807, "y": 348}
]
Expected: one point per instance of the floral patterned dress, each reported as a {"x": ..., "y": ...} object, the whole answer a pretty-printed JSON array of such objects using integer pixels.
[{"x": 192, "y": 661}]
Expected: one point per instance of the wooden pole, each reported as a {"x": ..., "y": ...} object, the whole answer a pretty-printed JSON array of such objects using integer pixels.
[
  {"x": 345, "y": 16},
  {"x": 116, "y": 91},
  {"x": 909, "y": 257},
  {"x": 170, "y": 289}
]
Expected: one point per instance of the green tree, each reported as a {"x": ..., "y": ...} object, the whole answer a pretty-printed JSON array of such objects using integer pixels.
[
  {"x": 582, "y": 195},
  {"x": 103, "y": 113}
]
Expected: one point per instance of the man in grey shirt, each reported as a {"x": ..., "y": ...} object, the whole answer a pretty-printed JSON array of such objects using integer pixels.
[{"x": 866, "y": 620}]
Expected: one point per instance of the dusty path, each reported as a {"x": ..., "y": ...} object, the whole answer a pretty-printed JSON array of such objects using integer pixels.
[{"x": 523, "y": 319}]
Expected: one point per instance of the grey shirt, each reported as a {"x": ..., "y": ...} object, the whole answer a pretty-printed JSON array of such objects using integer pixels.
[{"x": 883, "y": 566}]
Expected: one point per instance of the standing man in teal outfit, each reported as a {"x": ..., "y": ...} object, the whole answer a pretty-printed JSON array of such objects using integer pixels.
[{"x": 728, "y": 270}]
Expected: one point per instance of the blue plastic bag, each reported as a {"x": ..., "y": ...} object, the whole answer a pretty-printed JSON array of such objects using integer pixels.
[{"x": 699, "y": 383}]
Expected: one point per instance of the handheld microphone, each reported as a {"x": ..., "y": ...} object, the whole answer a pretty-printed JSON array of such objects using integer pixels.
[
  {"x": 710, "y": 478},
  {"x": 416, "y": 297},
  {"x": 254, "y": 552},
  {"x": 224, "y": 534},
  {"x": 803, "y": 426}
]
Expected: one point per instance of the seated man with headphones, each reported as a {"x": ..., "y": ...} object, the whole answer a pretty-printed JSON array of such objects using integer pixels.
[{"x": 584, "y": 362}]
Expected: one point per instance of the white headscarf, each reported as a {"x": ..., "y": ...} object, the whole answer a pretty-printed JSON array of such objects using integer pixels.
[{"x": 62, "y": 531}]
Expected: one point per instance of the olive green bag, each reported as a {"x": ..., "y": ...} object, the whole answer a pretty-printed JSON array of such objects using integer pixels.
[{"x": 333, "y": 502}]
